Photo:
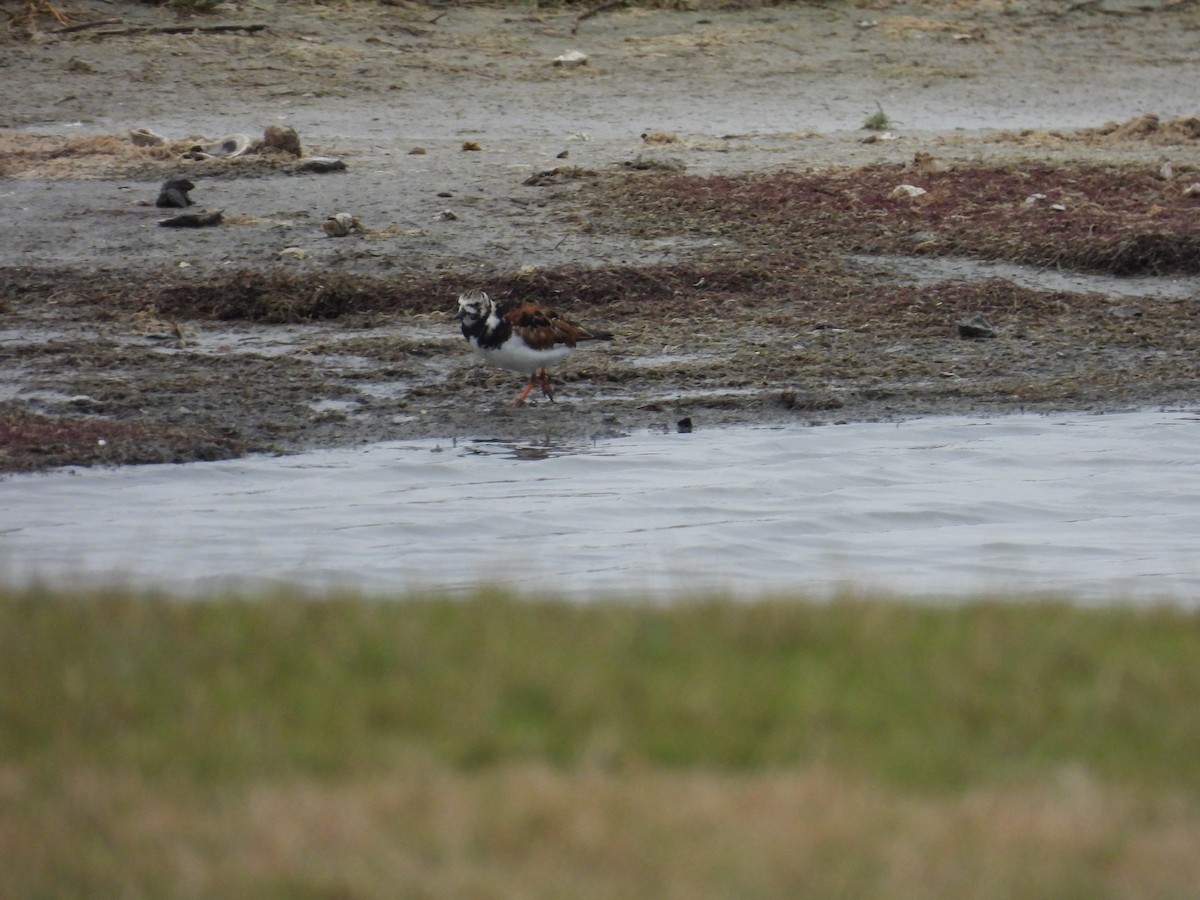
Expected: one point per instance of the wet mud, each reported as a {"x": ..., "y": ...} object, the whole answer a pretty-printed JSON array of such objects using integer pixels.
[{"x": 748, "y": 277}]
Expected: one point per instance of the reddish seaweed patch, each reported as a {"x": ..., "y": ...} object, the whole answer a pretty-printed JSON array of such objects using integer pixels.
[
  {"x": 30, "y": 441},
  {"x": 1118, "y": 220}
]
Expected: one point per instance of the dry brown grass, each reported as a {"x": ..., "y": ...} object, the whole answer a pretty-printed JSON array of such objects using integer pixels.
[
  {"x": 85, "y": 156},
  {"x": 30, "y": 11},
  {"x": 1148, "y": 128},
  {"x": 528, "y": 830},
  {"x": 55, "y": 156}
]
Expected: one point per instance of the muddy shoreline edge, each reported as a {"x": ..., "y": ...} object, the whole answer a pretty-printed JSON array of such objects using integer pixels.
[{"x": 751, "y": 277}]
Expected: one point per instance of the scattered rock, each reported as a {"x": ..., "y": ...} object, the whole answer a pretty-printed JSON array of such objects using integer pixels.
[
  {"x": 1035, "y": 199},
  {"x": 1125, "y": 312},
  {"x": 557, "y": 175},
  {"x": 659, "y": 137},
  {"x": 283, "y": 139},
  {"x": 341, "y": 224},
  {"x": 684, "y": 425},
  {"x": 902, "y": 191},
  {"x": 570, "y": 59},
  {"x": 174, "y": 193},
  {"x": 1149, "y": 128},
  {"x": 320, "y": 165},
  {"x": 196, "y": 153},
  {"x": 790, "y": 399},
  {"x": 471, "y": 146},
  {"x": 927, "y": 162},
  {"x": 644, "y": 164},
  {"x": 194, "y": 220},
  {"x": 417, "y": 151},
  {"x": 144, "y": 137},
  {"x": 975, "y": 328}
]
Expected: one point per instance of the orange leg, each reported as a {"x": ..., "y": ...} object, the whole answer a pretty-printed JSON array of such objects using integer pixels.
[
  {"x": 542, "y": 380},
  {"x": 520, "y": 401}
]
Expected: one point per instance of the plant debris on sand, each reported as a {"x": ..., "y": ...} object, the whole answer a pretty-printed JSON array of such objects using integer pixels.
[
  {"x": 1120, "y": 220},
  {"x": 772, "y": 323},
  {"x": 750, "y": 273}
]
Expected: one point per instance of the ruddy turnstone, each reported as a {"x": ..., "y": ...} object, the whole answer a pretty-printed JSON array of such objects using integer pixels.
[{"x": 522, "y": 336}]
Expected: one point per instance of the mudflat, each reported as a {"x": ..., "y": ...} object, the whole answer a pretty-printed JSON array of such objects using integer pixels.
[{"x": 1017, "y": 231}]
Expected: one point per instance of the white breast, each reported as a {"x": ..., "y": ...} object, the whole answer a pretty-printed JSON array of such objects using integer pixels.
[{"x": 515, "y": 354}]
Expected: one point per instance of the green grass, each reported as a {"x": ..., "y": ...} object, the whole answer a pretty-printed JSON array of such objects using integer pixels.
[
  {"x": 281, "y": 746},
  {"x": 920, "y": 696},
  {"x": 878, "y": 120}
]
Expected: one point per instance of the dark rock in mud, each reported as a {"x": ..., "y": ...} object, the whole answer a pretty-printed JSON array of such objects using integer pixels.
[
  {"x": 320, "y": 165},
  {"x": 194, "y": 220},
  {"x": 282, "y": 139},
  {"x": 975, "y": 328},
  {"x": 174, "y": 193}
]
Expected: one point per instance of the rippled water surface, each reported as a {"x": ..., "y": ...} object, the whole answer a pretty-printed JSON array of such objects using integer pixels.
[{"x": 1098, "y": 507}]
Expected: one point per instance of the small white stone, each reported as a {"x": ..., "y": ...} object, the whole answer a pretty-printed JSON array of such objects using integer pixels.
[{"x": 570, "y": 59}]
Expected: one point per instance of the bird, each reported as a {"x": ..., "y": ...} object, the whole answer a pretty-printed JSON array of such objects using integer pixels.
[{"x": 520, "y": 335}]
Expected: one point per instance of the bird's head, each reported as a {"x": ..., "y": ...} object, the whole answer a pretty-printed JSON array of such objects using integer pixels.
[{"x": 473, "y": 306}]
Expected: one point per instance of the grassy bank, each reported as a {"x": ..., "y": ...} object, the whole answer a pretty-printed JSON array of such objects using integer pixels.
[{"x": 280, "y": 747}]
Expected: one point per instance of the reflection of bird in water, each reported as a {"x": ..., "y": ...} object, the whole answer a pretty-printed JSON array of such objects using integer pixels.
[
  {"x": 174, "y": 193},
  {"x": 522, "y": 336}
]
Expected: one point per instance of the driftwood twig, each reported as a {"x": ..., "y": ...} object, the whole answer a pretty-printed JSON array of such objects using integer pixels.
[
  {"x": 595, "y": 11},
  {"x": 83, "y": 26},
  {"x": 178, "y": 29}
]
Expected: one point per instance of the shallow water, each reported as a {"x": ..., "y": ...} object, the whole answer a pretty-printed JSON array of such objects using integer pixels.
[
  {"x": 932, "y": 270},
  {"x": 1095, "y": 507}
]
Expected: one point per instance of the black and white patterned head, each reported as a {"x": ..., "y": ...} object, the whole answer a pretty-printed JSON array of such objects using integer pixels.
[{"x": 473, "y": 307}]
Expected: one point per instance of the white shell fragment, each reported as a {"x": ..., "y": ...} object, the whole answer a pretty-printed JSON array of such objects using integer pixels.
[
  {"x": 571, "y": 59},
  {"x": 907, "y": 190},
  {"x": 231, "y": 145}
]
